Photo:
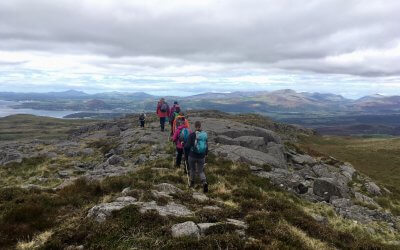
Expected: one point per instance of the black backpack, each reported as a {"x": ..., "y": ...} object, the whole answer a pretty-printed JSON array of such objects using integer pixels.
[{"x": 164, "y": 107}]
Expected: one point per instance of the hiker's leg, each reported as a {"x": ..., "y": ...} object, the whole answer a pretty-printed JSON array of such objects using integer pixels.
[
  {"x": 171, "y": 123},
  {"x": 162, "y": 123},
  {"x": 192, "y": 168},
  {"x": 179, "y": 153},
  {"x": 186, "y": 154},
  {"x": 200, "y": 167}
]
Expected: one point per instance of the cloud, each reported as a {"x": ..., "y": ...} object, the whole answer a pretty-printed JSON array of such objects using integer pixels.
[{"x": 219, "y": 44}]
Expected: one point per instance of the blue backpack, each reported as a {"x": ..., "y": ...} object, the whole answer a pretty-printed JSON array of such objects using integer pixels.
[
  {"x": 200, "y": 145},
  {"x": 184, "y": 135}
]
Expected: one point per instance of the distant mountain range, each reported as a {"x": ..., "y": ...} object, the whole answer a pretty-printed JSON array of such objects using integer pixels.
[{"x": 275, "y": 101}]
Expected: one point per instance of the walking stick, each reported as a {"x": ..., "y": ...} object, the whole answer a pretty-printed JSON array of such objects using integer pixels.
[{"x": 185, "y": 163}]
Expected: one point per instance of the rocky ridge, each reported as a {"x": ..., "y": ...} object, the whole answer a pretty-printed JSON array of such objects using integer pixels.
[{"x": 118, "y": 147}]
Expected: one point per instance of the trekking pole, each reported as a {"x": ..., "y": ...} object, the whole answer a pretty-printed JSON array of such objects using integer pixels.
[{"x": 187, "y": 169}]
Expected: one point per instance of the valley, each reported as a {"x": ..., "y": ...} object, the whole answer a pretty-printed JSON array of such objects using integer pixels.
[{"x": 328, "y": 114}]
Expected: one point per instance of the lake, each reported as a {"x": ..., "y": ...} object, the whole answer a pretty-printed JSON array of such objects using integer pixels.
[{"x": 6, "y": 110}]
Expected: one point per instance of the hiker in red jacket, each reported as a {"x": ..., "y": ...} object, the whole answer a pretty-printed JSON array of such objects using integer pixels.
[{"x": 162, "y": 112}]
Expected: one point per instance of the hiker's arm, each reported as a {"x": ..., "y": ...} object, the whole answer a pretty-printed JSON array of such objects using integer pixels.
[
  {"x": 207, "y": 147},
  {"x": 190, "y": 142},
  {"x": 175, "y": 136}
]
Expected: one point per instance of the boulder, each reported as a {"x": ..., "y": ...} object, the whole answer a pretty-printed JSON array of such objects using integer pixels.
[
  {"x": 276, "y": 150},
  {"x": 141, "y": 159},
  {"x": 115, "y": 160},
  {"x": 303, "y": 159},
  {"x": 322, "y": 170},
  {"x": 348, "y": 170},
  {"x": 365, "y": 199},
  {"x": 186, "y": 229},
  {"x": 233, "y": 129},
  {"x": 158, "y": 194},
  {"x": 102, "y": 211},
  {"x": 373, "y": 189},
  {"x": 326, "y": 188},
  {"x": 247, "y": 155},
  {"x": 171, "y": 209},
  {"x": 7, "y": 157},
  {"x": 205, "y": 226}
]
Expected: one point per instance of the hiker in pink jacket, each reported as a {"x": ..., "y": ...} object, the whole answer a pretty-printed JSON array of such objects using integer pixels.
[
  {"x": 180, "y": 137},
  {"x": 162, "y": 112}
]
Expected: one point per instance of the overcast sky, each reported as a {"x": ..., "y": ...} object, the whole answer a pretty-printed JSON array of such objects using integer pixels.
[{"x": 183, "y": 47}]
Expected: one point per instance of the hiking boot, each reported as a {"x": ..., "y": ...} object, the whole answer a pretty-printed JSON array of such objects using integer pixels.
[{"x": 205, "y": 187}]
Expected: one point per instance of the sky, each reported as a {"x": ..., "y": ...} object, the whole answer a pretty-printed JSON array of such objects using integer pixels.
[{"x": 184, "y": 47}]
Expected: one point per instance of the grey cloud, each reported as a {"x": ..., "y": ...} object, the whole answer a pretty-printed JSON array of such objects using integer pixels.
[{"x": 285, "y": 34}]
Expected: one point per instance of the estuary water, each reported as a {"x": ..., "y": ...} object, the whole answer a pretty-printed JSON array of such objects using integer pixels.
[{"x": 6, "y": 110}]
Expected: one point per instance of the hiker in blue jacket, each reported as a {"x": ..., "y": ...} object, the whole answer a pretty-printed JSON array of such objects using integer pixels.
[{"x": 197, "y": 145}]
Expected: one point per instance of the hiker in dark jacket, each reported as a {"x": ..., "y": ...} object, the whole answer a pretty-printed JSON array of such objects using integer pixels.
[
  {"x": 197, "y": 145},
  {"x": 142, "y": 119},
  {"x": 176, "y": 109}
]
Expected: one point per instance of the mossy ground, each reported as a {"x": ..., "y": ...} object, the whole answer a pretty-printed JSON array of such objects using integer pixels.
[{"x": 23, "y": 127}]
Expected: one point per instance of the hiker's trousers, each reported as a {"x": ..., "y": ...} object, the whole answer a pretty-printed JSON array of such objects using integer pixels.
[
  {"x": 197, "y": 166},
  {"x": 162, "y": 123},
  {"x": 179, "y": 154}
]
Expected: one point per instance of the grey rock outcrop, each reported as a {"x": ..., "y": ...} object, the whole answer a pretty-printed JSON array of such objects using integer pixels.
[
  {"x": 116, "y": 160},
  {"x": 102, "y": 211},
  {"x": 303, "y": 159},
  {"x": 171, "y": 209},
  {"x": 7, "y": 157},
  {"x": 373, "y": 189},
  {"x": 205, "y": 226},
  {"x": 188, "y": 229},
  {"x": 251, "y": 156},
  {"x": 326, "y": 188},
  {"x": 365, "y": 199}
]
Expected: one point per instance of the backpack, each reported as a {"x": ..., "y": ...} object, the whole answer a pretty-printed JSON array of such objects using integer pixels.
[
  {"x": 180, "y": 121},
  {"x": 142, "y": 117},
  {"x": 200, "y": 144},
  {"x": 173, "y": 115},
  {"x": 184, "y": 135},
  {"x": 164, "y": 107}
]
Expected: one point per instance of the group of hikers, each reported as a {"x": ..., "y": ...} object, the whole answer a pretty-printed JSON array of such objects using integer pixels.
[{"x": 191, "y": 146}]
